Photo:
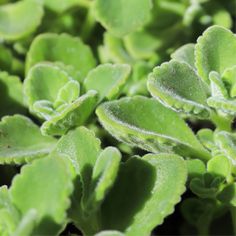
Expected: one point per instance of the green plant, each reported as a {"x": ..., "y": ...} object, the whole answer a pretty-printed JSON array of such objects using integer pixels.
[{"x": 82, "y": 142}]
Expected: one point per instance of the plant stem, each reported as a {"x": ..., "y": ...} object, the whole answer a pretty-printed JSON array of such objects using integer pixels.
[{"x": 233, "y": 215}]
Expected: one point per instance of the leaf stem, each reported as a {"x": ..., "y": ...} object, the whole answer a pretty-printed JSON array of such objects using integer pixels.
[{"x": 88, "y": 24}]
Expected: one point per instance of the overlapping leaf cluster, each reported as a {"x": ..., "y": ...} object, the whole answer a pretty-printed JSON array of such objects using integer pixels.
[{"x": 95, "y": 131}]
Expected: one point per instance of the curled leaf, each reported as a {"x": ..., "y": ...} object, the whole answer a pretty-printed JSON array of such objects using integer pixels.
[
  {"x": 141, "y": 122},
  {"x": 177, "y": 85}
]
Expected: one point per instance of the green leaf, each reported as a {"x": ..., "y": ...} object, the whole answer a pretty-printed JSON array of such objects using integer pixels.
[
  {"x": 117, "y": 18},
  {"x": 15, "y": 144},
  {"x": 228, "y": 195},
  {"x": 206, "y": 186},
  {"x": 83, "y": 148},
  {"x": 43, "y": 82},
  {"x": 196, "y": 168},
  {"x": 219, "y": 166},
  {"x": 147, "y": 124},
  {"x": 9, "y": 216},
  {"x": 217, "y": 86},
  {"x": 177, "y": 85},
  {"x": 104, "y": 174},
  {"x": 229, "y": 78},
  {"x": 52, "y": 174},
  {"x": 61, "y": 5},
  {"x": 215, "y": 43},
  {"x": 107, "y": 80},
  {"x": 227, "y": 144},
  {"x": 18, "y": 20},
  {"x": 11, "y": 91},
  {"x": 61, "y": 48},
  {"x": 141, "y": 44},
  {"x": 185, "y": 54},
  {"x": 72, "y": 115},
  {"x": 227, "y": 106},
  {"x": 206, "y": 137},
  {"x": 144, "y": 193}
]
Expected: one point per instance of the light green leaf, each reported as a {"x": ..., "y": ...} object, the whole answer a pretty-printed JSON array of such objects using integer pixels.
[
  {"x": 17, "y": 20},
  {"x": 144, "y": 193},
  {"x": 227, "y": 144},
  {"x": 141, "y": 44},
  {"x": 217, "y": 86},
  {"x": 117, "y": 17},
  {"x": 83, "y": 148},
  {"x": 11, "y": 93},
  {"x": 104, "y": 174},
  {"x": 219, "y": 166},
  {"x": 61, "y": 48},
  {"x": 146, "y": 123},
  {"x": 107, "y": 80},
  {"x": 185, "y": 54},
  {"x": 43, "y": 82},
  {"x": 206, "y": 137},
  {"x": 9, "y": 216},
  {"x": 52, "y": 174},
  {"x": 177, "y": 85},
  {"x": 72, "y": 115},
  {"x": 195, "y": 167},
  {"x": 68, "y": 93},
  {"x": 227, "y": 106},
  {"x": 15, "y": 144},
  {"x": 215, "y": 43}
]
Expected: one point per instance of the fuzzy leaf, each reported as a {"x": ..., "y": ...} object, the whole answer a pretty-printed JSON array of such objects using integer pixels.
[
  {"x": 72, "y": 115},
  {"x": 15, "y": 144},
  {"x": 61, "y": 48},
  {"x": 141, "y": 44},
  {"x": 12, "y": 27},
  {"x": 185, "y": 54},
  {"x": 219, "y": 166},
  {"x": 144, "y": 193},
  {"x": 103, "y": 177},
  {"x": 54, "y": 176},
  {"x": 195, "y": 167},
  {"x": 217, "y": 86},
  {"x": 215, "y": 43},
  {"x": 83, "y": 148},
  {"x": 117, "y": 18},
  {"x": 177, "y": 85},
  {"x": 107, "y": 80},
  {"x": 206, "y": 137},
  {"x": 227, "y": 144},
  {"x": 11, "y": 92},
  {"x": 109, "y": 233},
  {"x": 45, "y": 82},
  {"x": 142, "y": 122}
]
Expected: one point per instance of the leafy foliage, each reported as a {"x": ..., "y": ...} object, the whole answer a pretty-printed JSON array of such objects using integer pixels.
[{"x": 100, "y": 134}]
